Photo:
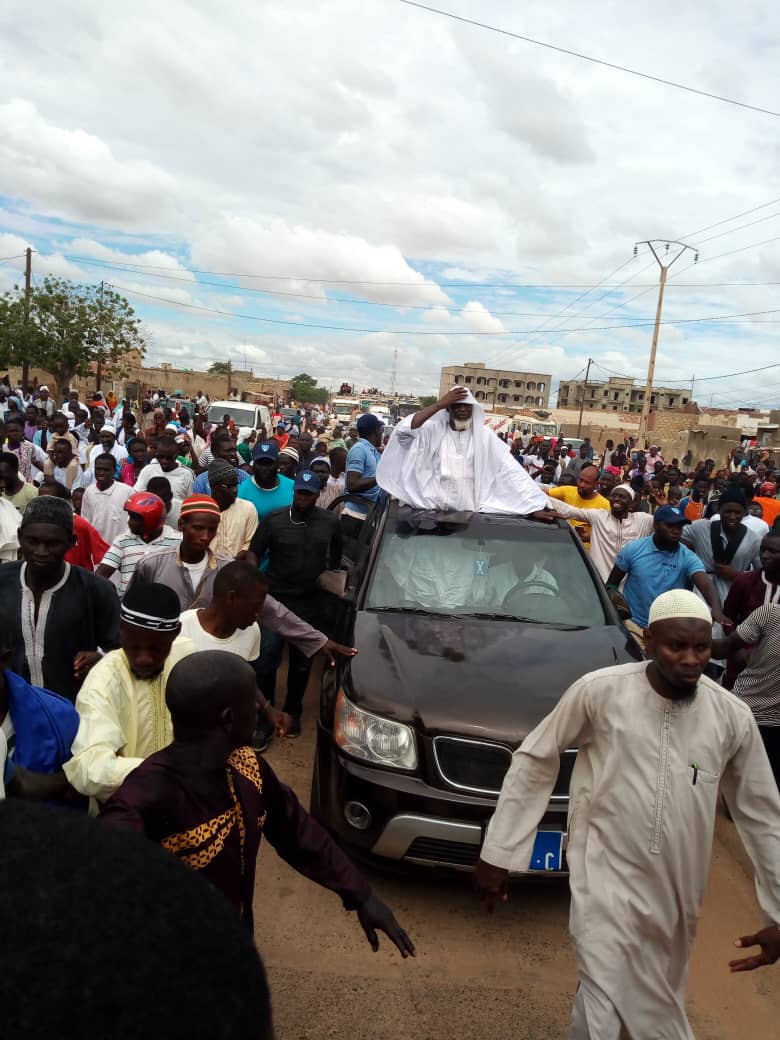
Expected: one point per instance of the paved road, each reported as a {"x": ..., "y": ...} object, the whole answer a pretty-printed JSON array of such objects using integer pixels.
[{"x": 480, "y": 977}]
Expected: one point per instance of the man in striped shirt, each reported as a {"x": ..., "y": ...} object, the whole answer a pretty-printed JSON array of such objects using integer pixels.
[
  {"x": 759, "y": 684},
  {"x": 147, "y": 533}
]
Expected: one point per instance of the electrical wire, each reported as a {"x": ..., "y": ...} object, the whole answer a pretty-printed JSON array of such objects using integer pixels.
[
  {"x": 725, "y": 319},
  {"x": 590, "y": 58}
]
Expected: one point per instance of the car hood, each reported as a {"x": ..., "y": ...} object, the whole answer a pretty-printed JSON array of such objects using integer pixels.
[{"x": 488, "y": 678}]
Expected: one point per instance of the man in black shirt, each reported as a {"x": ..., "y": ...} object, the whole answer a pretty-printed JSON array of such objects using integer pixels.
[
  {"x": 56, "y": 618},
  {"x": 302, "y": 541}
]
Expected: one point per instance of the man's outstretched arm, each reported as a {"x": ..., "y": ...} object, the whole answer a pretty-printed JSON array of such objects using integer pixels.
[{"x": 309, "y": 849}]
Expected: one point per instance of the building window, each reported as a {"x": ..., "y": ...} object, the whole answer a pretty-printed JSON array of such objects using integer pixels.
[
  {"x": 480, "y": 381},
  {"x": 517, "y": 398},
  {"x": 540, "y": 387},
  {"x": 503, "y": 398},
  {"x": 469, "y": 379},
  {"x": 480, "y": 395},
  {"x": 529, "y": 399},
  {"x": 491, "y": 382},
  {"x": 519, "y": 384},
  {"x": 504, "y": 383},
  {"x": 458, "y": 379},
  {"x": 685, "y": 400},
  {"x": 531, "y": 385}
]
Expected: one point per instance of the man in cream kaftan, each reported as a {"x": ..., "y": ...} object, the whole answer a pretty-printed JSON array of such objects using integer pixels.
[
  {"x": 445, "y": 458},
  {"x": 643, "y": 796}
]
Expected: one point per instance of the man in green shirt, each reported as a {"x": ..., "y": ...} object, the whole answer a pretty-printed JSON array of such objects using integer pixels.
[{"x": 19, "y": 492}]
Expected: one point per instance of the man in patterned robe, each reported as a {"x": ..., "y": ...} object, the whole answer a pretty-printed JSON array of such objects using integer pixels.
[{"x": 208, "y": 798}]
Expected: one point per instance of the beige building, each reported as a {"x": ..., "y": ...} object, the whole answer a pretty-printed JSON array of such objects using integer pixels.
[
  {"x": 498, "y": 387},
  {"x": 618, "y": 394}
]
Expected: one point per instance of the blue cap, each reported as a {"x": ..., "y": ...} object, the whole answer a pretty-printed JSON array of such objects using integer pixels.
[
  {"x": 281, "y": 426},
  {"x": 307, "y": 481},
  {"x": 669, "y": 515},
  {"x": 368, "y": 423},
  {"x": 266, "y": 450}
]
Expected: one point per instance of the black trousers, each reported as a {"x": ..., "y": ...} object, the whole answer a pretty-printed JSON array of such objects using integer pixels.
[{"x": 771, "y": 738}]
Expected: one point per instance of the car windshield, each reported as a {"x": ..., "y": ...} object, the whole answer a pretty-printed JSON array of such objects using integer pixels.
[
  {"x": 477, "y": 565},
  {"x": 242, "y": 415}
]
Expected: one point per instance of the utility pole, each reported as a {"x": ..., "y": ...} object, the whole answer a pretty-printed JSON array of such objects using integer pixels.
[
  {"x": 584, "y": 391},
  {"x": 654, "y": 245},
  {"x": 27, "y": 294},
  {"x": 395, "y": 366},
  {"x": 229, "y": 378},
  {"x": 99, "y": 364}
]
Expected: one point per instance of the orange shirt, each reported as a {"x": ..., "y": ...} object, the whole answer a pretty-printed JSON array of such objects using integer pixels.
[{"x": 771, "y": 508}]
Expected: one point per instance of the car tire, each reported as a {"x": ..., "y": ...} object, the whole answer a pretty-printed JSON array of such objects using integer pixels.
[{"x": 314, "y": 796}]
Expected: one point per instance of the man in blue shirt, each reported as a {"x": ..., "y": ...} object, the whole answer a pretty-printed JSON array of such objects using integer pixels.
[
  {"x": 362, "y": 461},
  {"x": 37, "y": 728},
  {"x": 222, "y": 447},
  {"x": 657, "y": 564},
  {"x": 267, "y": 490}
]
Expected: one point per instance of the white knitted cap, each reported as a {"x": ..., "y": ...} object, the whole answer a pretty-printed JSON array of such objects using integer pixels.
[{"x": 679, "y": 603}]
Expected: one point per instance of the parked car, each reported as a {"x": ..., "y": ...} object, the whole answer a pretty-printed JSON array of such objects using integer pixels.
[
  {"x": 243, "y": 413},
  {"x": 469, "y": 628}
]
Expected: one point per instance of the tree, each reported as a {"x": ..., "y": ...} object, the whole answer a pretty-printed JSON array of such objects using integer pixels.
[
  {"x": 428, "y": 399},
  {"x": 219, "y": 368},
  {"x": 303, "y": 388},
  {"x": 70, "y": 330}
]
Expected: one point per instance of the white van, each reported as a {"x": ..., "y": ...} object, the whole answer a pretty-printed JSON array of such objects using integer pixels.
[{"x": 243, "y": 413}]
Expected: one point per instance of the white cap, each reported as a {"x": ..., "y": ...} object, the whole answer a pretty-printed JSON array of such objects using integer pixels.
[
  {"x": 679, "y": 603},
  {"x": 41, "y": 388}
]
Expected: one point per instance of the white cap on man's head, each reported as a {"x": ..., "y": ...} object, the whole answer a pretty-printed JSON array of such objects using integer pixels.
[{"x": 679, "y": 603}]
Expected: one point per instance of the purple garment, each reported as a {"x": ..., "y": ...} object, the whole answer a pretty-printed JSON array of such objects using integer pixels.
[{"x": 214, "y": 821}]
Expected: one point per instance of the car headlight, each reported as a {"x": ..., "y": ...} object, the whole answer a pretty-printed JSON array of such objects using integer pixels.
[{"x": 363, "y": 735}]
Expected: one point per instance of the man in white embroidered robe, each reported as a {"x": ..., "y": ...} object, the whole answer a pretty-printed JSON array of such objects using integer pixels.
[
  {"x": 657, "y": 740},
  {"x": 444, "y": 457}
]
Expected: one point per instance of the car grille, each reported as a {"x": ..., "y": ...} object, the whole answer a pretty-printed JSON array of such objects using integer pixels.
[
  {"x": 479, "y": 767},
  {"x": 436, "y": 850}
]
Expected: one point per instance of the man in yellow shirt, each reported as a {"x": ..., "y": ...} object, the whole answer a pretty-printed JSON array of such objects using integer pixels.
[{"x": 584, "y": 496}]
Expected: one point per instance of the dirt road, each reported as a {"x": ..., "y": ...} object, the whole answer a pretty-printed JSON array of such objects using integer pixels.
[{"x": 480, "y": 977}]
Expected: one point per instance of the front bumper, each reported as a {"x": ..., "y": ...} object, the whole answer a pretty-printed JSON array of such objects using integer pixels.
[{"x": 411, "y": 819}]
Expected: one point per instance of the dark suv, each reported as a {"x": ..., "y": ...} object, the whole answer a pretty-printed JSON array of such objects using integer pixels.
[{"x": 469, "y": 629}]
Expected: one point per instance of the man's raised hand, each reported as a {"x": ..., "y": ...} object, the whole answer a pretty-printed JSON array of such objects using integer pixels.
[{"x": 455, "y": 396}]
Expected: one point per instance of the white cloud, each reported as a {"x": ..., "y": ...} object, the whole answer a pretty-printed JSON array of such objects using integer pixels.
[
  {"x": 74, "y": 174},
  {"x": 244, "y": 245},
  {"x": 179, "y": 138}
]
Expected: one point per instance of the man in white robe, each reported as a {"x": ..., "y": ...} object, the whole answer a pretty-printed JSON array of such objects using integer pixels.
[
  {"x": 445, "y": 458},
  {"x": 610, "y": 529},
  {"x": 657, "y": 741}
]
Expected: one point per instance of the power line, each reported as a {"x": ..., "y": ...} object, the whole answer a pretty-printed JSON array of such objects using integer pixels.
[
  {"x": 728, "y": 220},
  {"x": 741, "y": 227},
  {"x": 132, "y": 268},
  {"x": 18, "y": 256},
  {"x": 590, "y": 58},
  {"x": 725, "y": 319},
  {"x": 699, "y": 379}
]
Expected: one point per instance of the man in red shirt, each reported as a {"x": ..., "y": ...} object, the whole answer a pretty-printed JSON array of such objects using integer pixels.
[{"x": 90, "y": 548}]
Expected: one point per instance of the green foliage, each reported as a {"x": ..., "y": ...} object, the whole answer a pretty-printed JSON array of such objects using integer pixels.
[
  {"x": 219, "y": 368},
  {"x": 304, "y": 390},
  {"x": 70, "y": 330},
  {"x": 428, "y": 399}
]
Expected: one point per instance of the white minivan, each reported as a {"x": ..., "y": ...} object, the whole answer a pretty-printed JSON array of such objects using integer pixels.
[{"x": 243, "y": 413}]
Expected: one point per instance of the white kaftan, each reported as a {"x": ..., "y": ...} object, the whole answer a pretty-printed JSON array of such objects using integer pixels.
[
  {"x": 608, "y": 535},
  {"x": 643, "y": 796},
  {"x": 424, "y": 468}
]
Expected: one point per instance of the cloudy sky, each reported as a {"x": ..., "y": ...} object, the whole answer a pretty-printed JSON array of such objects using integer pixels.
[{"x": 328, "y": 186}]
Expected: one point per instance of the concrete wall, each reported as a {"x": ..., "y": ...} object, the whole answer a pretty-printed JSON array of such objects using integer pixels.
[{"x": 171, "y": 379}]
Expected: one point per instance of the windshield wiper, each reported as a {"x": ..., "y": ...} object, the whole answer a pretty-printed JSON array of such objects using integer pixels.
[
  {"x": 562, "y": 626},
  {"x": 408, "y": 610}
]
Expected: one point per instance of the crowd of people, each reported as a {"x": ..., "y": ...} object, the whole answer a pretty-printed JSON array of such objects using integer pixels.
[{"x": 155, "y": 567}]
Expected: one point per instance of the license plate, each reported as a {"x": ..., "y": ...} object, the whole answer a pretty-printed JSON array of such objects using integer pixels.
[{"x": 548, "y": 851}]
